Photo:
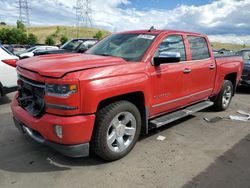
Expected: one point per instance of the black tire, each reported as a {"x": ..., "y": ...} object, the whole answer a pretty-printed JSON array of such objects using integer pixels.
[
  {"x": 1, "y": 90},
  {"x": 104, "y": 117},
  {"x": 219, "y": 103}
]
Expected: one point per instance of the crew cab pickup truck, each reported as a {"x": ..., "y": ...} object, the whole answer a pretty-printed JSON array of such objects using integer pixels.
[{"x": 122, "y": 87}]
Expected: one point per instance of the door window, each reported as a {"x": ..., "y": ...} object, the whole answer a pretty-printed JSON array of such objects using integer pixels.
[
  {"x": 198, "y": 47},
  {"x": 173, "y": 44}
]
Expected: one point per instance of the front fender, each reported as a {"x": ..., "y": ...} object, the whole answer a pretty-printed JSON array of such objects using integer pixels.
[{"x": 98, "y": 90}]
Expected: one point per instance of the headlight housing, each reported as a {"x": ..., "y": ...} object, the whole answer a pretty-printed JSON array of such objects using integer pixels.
[{"x": 60, "y": 90}]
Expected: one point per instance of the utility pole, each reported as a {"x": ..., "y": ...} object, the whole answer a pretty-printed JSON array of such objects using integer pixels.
[
  {"x": 83, "y": 14},
  {"x": 24, "y": 12}
]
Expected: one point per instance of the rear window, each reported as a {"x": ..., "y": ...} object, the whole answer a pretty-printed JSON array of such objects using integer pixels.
[{"x": 198, "y": 47}]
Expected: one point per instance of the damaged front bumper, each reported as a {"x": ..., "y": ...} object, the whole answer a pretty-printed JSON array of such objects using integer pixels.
[{"x": 78, "y": 150}]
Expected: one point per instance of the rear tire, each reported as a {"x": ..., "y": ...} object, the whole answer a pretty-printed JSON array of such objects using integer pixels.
[
  {"x": 117, "y": 128},
  {"x": 223, "y": 99}
]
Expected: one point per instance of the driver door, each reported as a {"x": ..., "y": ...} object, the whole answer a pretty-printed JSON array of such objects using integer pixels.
[{"x": 168, "y": 79}]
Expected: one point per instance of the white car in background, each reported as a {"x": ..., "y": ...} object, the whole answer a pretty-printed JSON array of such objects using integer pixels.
[
  {"x": 8, "y": 75},
  {"x": 30, "y": 52}
]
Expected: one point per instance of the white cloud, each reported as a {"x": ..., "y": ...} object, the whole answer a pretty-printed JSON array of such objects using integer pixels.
[{"x": 219, "y": 17}]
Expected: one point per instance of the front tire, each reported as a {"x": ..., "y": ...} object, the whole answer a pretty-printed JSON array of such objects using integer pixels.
[
  {"x": 223, "y": 99},
  {"x": 117, "y": 128}
]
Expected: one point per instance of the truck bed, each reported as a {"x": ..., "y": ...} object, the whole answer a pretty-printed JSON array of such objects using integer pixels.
[{"x": 231, "y": 65}]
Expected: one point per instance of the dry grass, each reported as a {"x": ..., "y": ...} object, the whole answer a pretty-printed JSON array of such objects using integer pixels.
[
  {"x": 236, "y": 47},
  {"x": 70, "y": 32}
]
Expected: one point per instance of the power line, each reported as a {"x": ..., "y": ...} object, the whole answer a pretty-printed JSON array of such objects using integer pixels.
[
  {"x": 83, "y": 14},
  {"x": 24, "y": 12}
]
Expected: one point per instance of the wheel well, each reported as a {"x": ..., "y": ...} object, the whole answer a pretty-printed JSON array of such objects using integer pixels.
[
  {"x": 138, "y": 99},
  {"x": 232, "y": 77}
]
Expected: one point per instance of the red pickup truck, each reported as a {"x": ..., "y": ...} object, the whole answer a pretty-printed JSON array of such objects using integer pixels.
[{"x": 124, "y": 86}]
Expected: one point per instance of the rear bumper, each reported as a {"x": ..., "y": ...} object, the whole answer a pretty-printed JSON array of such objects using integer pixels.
[
  {"x": 76, "y": 130},
  {"x": 78, "y": 150}
]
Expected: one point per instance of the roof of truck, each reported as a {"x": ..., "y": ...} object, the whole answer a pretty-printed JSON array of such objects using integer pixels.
[{"x": 155, "y": 31}]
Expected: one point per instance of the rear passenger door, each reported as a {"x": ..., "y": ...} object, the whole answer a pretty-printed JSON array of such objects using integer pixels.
[{"x": 202, "y": 69}]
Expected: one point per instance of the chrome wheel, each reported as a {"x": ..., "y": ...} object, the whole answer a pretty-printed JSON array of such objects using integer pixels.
[
  {"x": 227, "y": 95},
  {"x": 117, "y": 129},
  {"x": 121, "y": 132}
]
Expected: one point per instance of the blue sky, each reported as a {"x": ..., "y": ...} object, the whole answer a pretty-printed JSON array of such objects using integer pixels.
[
  {"x": 161, "y": 4},
  {"x": 222, "y": 20}
]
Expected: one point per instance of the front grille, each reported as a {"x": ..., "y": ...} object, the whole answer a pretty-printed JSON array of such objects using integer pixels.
[{"x": 31, "y": 96}]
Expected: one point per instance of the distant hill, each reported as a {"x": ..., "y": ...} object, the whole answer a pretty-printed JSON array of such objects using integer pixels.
[
  {"x": 70, "y": 32},
  {"x": 217, "y": 45}
]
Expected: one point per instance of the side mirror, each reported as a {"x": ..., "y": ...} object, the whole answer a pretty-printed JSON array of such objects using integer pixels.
[
  {"x": 82, "y": 49},
  {"x": 167, "y": 57}
]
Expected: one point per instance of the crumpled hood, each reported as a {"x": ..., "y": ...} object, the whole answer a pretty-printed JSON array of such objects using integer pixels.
[{"x": 57, "y": 65}]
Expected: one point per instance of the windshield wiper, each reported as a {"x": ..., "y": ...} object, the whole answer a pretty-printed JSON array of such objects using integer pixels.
[{"x": 105, "y": 54}]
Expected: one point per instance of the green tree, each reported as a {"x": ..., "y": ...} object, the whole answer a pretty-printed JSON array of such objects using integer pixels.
[
  {"x": 4, "y": 35},
  {"x": 57, "y": 32},
  {"x": 3, "y": 23},
  {"x": 98, "y": 35},
  {"x": 63, "y": 39},
  {"x": 16, "y": 35},
  {"x": 13, "y": 36},
  {"x": 20, "y": 26},
  {"x": 32, "y": 39},
  {"x": 50, "y": 40}
]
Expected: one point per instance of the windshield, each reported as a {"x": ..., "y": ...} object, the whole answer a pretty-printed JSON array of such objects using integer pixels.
[
  {"x": 130, "y": 47},
  {"x": 246, "y": 55},
  {"x": 7, "y": 51},
  {"x": 30, "y": 49},
  {"x": 72, "y": 45}
]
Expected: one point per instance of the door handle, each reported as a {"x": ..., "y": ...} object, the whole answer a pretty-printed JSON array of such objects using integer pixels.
[
  {"x": 186, "y": 71},
  {"x": 211, "y": 67}
]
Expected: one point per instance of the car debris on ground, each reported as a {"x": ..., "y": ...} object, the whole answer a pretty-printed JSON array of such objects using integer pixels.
[
  {"x": 214, "y": 119},
  {"x": 239, "y": 118},
  {"x": 245, "y": 117},
  {"x": 161, "y": 138},
  {"x": 244, "y": 113}
]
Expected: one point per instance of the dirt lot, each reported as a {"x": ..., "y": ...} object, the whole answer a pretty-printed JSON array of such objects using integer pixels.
[{"x": 194, "y": 154}]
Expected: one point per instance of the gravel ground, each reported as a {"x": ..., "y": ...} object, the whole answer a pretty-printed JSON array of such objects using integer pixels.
[{"x": 194, "y": 154}]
